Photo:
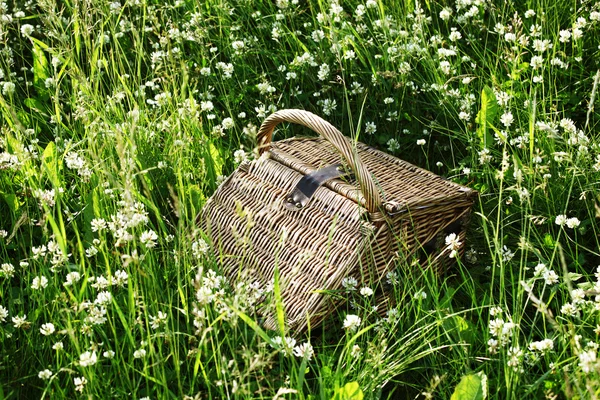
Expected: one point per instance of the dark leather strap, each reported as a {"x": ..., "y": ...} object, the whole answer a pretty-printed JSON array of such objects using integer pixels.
[{"x": 308, "y": 185}]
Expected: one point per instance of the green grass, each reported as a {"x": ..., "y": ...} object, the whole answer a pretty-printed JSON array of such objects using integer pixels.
[{"x": 132, "y": 113}]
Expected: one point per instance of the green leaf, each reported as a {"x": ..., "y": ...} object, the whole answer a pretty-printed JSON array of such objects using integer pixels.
[
  {"x": 471, "y": 387},
  {"x": 350, "y": 391},
  {"x": 50, "y": 163},
  {"x": 11, "y": 200},
  {"x": 41, "y": 71},
  {"x": 486, "y": 116}
]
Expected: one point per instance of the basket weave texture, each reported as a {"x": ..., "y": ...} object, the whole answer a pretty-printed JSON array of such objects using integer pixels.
[{"x": 389, "y": 210}]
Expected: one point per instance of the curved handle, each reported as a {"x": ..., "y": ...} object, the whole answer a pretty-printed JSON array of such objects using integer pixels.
[{"x": 334, "y": 136}]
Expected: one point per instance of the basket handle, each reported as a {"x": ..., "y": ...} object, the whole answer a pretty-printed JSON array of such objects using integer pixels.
[{"x": 334, "y": 136}]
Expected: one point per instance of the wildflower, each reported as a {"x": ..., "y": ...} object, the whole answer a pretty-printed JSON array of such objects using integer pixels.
[
  {"x": 495, "y": 311},
  {"x": 349, "y": 283},
  {"x": 420, "y": 295},
  {"x": 8, "y": 88},
  {"x": 98, "y": 224},
  {"x": 47, "y": 329},
  {"x": 3, "y": 313},
  {"x": 588, "y": 361},
  {"x": 109, "y": 354},
  {"x": 543, "y": 346},
  {"x": 323, "y": 73},
  {"x": 45, "y": 374},
  {"x": 492, "y": 346},
  {"x": 370, "y": 128},
  {"x": 26, "y": 30},
  {"x": 58, "y": 346},
  {"x": 103, "y": 298},
  {"x": 88, "y": 358},
  {"x": 445, "y": 13},
  {"x": 79, "y": 383},
  {"x": 421, "y": 142},
  {"x": 393, "y": 145},
  {"x": 148, "y": 238},
  {"x": 329, "y": 105},
  {"x": 199, "y": 248},
  {"x": 19, "y": 322},
  {"x": 573, "y": 222},
  {"x": 139, "y": 353},
  {"x": 560, "y": 220},
  {"x": 352, "y": 322},
  {"x": 453, "y": 244},
  {"x": 366, "y": 291},
  {"x": 7, "y": 270},
  {"x": 304, "y": 350},
  {"x": 284, "y": 344},
  {"x": 507, "y": 254},
  {"x": 564, "y": 36},
  {"x": 569, "y": 309},
  {"x": 515, "y": 354},
  {"x": 160, "y": 319},
  {"x": 355, "y": 353},
  {"x": 318, "y": 35},
  {"x": 72, "y": 277},
  {"x": 507, "y": 119}
]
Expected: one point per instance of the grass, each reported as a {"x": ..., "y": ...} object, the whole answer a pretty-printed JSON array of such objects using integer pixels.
[{"x": 119, "y": 120}]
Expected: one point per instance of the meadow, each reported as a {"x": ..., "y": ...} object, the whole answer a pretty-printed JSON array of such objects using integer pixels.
[{"x": 120, "y": 119}]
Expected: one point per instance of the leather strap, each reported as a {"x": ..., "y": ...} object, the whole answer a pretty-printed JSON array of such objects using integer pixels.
[{"x": 308, "y": 185}]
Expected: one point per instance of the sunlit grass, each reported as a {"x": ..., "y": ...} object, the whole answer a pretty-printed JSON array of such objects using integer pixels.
[{"x": 119, "y": 120}]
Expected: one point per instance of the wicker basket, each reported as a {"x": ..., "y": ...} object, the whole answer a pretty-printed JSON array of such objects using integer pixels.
[{"x": 317, "y": 224}]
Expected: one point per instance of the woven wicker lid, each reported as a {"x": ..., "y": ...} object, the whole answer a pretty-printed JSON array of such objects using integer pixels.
[{"x": 402, "y": 185}]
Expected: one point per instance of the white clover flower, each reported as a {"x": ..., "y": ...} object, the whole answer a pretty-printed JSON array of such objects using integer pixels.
[
  {"x": 420, "y": 295},
  {"x": 507, "y": 119},
  {"x": 285, "y": 345},
  {"x": 569, "y": 309},
  {"x": 58, "y": 346},
  {"x": 573, "y": 223},
  {"x": 564, "y": 36},
  {"x": 588, "y": 361},
  {"x": 227, "y": 123},
  {"x": 349, "y": 283},
  {"x": 542, "y": 346},
  {"x": 7, "y": 270},
  {"x": 160, "y": 319},
  {"x": 445, "y": 13},
  {"x": 539, "y": 270},
  {"x": 304, "y": 350},
  {"x": 98, "y": 224},
  {"x": 329, "y": 105},
  {"x": 453, "y": 244},
  {"x": 72, "y": 277},
  {"x": 421, "y": 142},
  {"x": 560, "y": 220},
  {"x": 79, "y": 383},
  {"x": 237, "y": 45},
  {"x": 317, "y": 35},
  {"x": 323, "y": 73},
  {"x": 45, "y": 374},
  {"x": 47, "y": 329},
  {"x": 27, "y": 30},
  {"x": 149, "y": 238},
  {"x": 3, "y": 313},
  {"x": 108, "y": 354},
  {"x": 8, "y": 88},
  {"x": 352, "y": 322},
  {"x": 88, "y": 358},
  {"x": 370, "y": 128},
  {"x": 199, "y": 248},
  {"x": 139, "y": 353},
  {"x": 492, "y": 346},
  {"x": 103, "y": 298},
  {"x": 515, "y": 355},
  {"x": 355, "y": 353},
  {"x": 366, "y": 291},
  {"x": 39, "y": 282}
]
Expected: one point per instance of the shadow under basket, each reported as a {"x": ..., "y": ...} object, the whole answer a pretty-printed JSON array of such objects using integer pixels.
[{"x": 323, "y": 209}]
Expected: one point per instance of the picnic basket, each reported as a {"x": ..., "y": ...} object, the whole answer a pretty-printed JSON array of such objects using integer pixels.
[{"x": 323, "y": 209}]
